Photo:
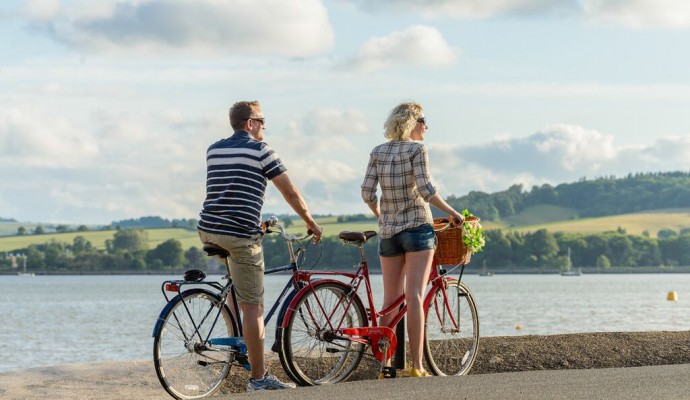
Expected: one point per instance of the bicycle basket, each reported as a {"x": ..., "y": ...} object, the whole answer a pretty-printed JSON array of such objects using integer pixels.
[{"x": 450, "y": 247}]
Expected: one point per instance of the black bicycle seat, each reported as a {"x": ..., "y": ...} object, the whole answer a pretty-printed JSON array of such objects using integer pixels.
[
  {"x": 358, "y": 237},
  {"x": 215, "y": 250}
]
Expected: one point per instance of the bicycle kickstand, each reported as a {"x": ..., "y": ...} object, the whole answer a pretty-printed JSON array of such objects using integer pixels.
[{"x": 385, "y": 371}]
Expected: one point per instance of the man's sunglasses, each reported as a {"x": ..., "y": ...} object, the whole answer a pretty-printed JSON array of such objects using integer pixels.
[
  {"x": 261, "y": 120},
  {"x": 422, "y": 120}
]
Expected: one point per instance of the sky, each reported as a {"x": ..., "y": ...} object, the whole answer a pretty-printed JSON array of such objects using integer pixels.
[{"x": 107, "y": 107}]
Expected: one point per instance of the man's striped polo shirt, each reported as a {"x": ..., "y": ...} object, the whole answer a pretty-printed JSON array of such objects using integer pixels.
[{"x": 238, "y": 170}]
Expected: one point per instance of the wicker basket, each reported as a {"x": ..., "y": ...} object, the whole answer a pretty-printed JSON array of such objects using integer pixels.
[{"x": 450, "y": 248}]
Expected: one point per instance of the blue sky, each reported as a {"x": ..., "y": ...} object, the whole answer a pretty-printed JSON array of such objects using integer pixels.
[{"x": 107, "y": 107}]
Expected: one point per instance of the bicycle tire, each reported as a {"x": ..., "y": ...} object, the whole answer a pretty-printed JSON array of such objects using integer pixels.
[
  {"x": 187, "y": 365},
  {"x": 451, "y": 329},
  {"x": 313, "y": 350}
]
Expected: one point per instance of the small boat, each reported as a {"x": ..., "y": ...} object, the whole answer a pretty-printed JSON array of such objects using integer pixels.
[
  {"x": 25, "y": 273},
  {"x": 568, "y": 270},
  {"x": 485, "y": 272}
]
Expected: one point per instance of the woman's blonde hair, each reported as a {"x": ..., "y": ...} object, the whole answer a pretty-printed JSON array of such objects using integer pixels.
[{"x": 402, "y": 121}]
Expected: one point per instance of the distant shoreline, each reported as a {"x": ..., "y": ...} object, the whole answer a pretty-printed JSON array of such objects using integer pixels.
[{"x": 469, "y": 270}]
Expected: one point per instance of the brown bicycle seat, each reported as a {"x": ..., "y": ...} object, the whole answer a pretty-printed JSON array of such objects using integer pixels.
[
  {"x": 215, "y": 250},
  {"x": 356, "y": 237}
]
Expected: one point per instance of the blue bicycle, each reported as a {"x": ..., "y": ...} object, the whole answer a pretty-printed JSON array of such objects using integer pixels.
[{"x": 198, "y": 336}]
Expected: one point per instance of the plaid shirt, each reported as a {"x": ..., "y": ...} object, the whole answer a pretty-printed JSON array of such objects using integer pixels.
[{"x": 401, "y": 168}]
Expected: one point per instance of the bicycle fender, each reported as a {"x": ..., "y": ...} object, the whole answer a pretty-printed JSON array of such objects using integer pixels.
[
  {"x": 280, "y": 318},
  {"x": 291, "y": 307},
  {"x": 169, "y": 305},
  {"x": 430, "y": 295}
]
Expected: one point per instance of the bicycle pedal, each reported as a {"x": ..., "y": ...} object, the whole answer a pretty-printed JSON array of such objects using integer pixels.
[
  {"x": 387, "y": 372},
  {"x": 243, "y": 361}
]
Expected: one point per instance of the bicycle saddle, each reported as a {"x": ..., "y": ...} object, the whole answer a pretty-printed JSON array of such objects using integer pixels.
[
  {"x": 358, "y": 237},
  {"x": 194, "y": 275},
  {"x": 215, "y": 250}
]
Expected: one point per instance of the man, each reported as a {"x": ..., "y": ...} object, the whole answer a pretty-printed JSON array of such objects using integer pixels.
[{"x": 238, "y": 171}]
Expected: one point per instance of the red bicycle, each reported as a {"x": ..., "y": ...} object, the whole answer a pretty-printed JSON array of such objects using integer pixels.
[{"x": 327, "y": 329}]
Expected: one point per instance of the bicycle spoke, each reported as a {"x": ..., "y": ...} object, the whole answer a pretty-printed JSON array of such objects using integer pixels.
[
  {"x": 451, "y": 330},
  {"x": 312, "y": 346},
  {"x": 187, "y": 366}
]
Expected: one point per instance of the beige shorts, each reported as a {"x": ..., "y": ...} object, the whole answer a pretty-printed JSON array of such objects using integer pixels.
[{"x": 246, "y": 264}]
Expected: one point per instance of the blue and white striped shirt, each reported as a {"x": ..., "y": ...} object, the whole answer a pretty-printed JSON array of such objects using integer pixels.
[{"x": 238, "y": 170}]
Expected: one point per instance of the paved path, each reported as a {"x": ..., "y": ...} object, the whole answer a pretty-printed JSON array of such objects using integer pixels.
[
  {"x": 658, "y": 382},
  {"x": 132, "y": 380}
]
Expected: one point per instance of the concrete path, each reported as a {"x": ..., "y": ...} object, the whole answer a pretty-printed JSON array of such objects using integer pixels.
[
  {"x": 132, "y": 380},
  {"x": 658, "y": 382}
]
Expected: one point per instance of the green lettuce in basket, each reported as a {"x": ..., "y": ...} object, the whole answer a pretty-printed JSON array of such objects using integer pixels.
[{"x": 472, "y": 233}]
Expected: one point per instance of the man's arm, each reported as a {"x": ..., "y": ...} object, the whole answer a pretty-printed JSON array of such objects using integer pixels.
[{"x": 296, "y": 201}]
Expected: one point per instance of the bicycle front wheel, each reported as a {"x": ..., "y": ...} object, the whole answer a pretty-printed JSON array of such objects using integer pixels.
[
  {"x": 187, "y": 364},
  {"x": 313, "y": 349},
  {"x": 451, "y": 331}
]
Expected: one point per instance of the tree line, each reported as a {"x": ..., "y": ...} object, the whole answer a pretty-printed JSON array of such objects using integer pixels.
[
  {"x": 128, "y": 251},
  {"x": 589, "y": 198}
]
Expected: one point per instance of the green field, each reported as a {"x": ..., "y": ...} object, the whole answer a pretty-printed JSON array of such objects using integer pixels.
[
  {"x": 553, "y": 219},
  {"x": 188, "y": 238},
  {"x": 541, "y": 214},
  {"x": 634, "y": 223}
]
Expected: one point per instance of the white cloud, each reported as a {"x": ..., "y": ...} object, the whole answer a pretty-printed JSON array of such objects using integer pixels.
[
  {"x": 275, "y": 27},
  {"x": 557, "y": 154},
  {"x": 468, "y": 8},
  {"x": 640, "y": 13},
  {"x": 41, "y": 10},
  {"x": 630, "y": 13},
  {"x": 555, "y": 151},
  {"x": 416, "y": 45},
  {"x": 125, "y": 164},
  {"x": 31, "y": 138},
  {"x": 332, "y": 122}
]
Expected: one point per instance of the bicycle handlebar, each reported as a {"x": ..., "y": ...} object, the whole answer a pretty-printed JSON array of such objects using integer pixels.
[{"x": 273, "y": 221}]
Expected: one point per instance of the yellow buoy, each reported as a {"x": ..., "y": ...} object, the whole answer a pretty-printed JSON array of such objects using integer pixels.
[
  {"x": 518, "y": 327},
  {"x": 672, "y": 296}
]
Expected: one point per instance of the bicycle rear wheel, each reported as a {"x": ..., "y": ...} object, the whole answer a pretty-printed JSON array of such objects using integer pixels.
[
  {"x": 451, "y": 331},
  {"x": 313, "y": 349},
  {"x": 187, "y": 365}
]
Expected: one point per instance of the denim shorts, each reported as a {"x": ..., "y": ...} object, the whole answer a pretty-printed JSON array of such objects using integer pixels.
[{"x": 414, "y": 239}]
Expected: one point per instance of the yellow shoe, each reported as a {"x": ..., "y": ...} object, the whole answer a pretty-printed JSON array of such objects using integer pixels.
[{"x": 418, "y": 373}]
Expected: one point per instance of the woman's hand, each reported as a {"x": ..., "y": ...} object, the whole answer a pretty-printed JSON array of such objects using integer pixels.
[{"x": 457, "y": 219}]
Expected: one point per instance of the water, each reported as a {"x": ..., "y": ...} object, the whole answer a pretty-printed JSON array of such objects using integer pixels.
[{"x": 50, "y": 320}]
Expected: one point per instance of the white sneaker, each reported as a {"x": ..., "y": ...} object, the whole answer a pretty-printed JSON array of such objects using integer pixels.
[{"x": 269, "y": 382}]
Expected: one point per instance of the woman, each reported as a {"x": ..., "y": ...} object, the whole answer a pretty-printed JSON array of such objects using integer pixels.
[{"x": 407, "y": 241}]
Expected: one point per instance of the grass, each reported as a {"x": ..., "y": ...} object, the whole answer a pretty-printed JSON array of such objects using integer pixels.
[
  {"x": 633, "y": 223},
  {"x": 188, "y": 238},
  {"x": 541, "y": 214}
]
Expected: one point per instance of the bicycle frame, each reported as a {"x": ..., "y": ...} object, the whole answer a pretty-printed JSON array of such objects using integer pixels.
[
  {"x": 328, "y": 327},
  {"x": 228, "y": 297},
  {"x": 371, "y": 335}
]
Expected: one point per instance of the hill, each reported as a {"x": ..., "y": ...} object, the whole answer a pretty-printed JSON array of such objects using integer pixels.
[
  {"x": 551, "y": 218},
  {"x": 585, "y": 198},
  {"x": 647, "y": 223},
  {"x": 640, "y": 203}
]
